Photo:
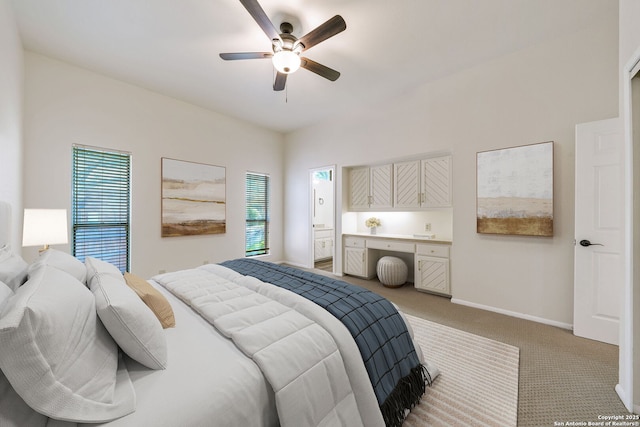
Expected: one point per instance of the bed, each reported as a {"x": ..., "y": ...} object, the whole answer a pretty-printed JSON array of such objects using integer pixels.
[{"x": 245, "y": 344}]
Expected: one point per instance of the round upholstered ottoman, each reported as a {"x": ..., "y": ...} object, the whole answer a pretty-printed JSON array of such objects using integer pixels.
[{"x": 392, "y": 271}]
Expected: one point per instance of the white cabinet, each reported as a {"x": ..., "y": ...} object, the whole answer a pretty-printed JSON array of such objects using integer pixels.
[
  {"x": 322, "y": 244},
  {"x": 323, "y": 249},
  {"x": 355, "y": 259},
  {"x": 355, "y": 262},
  {"x": 431, "y": 272},
  {"x": 436, "y": 182},
  {"x": 370, "y": 187},
  {"x": 359, "y": 188},
  {"x": 430, "y": 260},
  {"x": 407, "y": 187},
  {"x": 380, "y": 186},
  {"x": 422, "y": 183}
]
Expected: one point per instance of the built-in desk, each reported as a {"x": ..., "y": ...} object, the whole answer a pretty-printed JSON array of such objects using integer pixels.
[{"x": 430, "y": 258}]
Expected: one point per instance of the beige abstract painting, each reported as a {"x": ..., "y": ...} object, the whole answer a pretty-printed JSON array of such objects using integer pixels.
[
  {"x": 515, "y": 190},
  {"x": 193, "y": 198}
]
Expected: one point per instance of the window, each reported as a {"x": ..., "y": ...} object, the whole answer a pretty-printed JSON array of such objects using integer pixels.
[
  {"x": 101, "y": 205},
  {"x": 257, "y": 222}
]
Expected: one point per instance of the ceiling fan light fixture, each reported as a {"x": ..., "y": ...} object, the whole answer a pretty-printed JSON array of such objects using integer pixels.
[{"x": 286, "y": 61}]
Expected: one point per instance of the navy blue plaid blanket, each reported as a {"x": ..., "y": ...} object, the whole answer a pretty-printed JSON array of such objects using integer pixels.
[{"x": 397, "y": 376}]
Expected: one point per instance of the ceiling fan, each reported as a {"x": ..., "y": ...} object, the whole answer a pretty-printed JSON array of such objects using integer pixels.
[{"x": 287, "y": 48}]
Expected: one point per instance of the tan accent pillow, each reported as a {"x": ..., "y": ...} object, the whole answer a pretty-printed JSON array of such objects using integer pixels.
[{"x": 153, "y": 298}]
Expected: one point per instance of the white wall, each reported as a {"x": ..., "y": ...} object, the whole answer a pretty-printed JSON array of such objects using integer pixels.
[
  {"x": 11, "y": 87},
  {"x": 534, "y": 95},
  {"x": 66, "y": 105}
]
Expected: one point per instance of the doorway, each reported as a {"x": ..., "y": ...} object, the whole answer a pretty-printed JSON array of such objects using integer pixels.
[{"x": 322, "y": 182}]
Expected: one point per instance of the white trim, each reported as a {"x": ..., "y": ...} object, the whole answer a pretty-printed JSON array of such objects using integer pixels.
[
  {"x": 293, "y": 264},
  {"x": 625, "y": 385},
  {"x": 634, "y": 66},
  {"x": 514, "y": 314}
]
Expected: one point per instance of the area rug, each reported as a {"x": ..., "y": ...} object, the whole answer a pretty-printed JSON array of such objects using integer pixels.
[{"x": 478, "y": 383}]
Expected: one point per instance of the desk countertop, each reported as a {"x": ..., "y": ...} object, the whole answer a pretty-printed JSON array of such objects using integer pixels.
[{"x": 405, "y": 237}]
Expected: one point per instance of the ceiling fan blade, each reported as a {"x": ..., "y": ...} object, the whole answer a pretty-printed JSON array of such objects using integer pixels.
[
  {"x": 319, "y": 69},
  {"x": 245, "y": 55},
  {"x": 255, "y": 10},
  {"x": 330, "y": 28},
  {"x": 281, "y": 81}
]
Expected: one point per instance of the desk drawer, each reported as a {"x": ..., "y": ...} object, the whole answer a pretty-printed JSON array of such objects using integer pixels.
[
  {"x": 390, "y": 245},
  {"x": 441, "y": 251},
  {"x": 354, "y": 242}
]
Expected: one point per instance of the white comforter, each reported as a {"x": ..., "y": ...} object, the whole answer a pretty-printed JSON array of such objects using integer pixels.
[
  {"x": 308, "y": 356},
  {"x": 208, "y": 382}
]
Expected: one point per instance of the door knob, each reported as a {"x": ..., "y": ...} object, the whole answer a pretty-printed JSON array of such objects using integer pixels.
[{"x": 586, "y": 243}]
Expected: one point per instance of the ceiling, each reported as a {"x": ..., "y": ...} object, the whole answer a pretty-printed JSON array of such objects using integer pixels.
[{"x": 388, "y": 48}]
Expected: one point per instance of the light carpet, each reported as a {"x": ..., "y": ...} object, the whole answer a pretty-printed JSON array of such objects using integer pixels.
[{"x": 478, "y": 383}]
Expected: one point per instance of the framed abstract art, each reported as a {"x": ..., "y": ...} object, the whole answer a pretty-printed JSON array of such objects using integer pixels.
[
  {"x": 515, "y": 190},
  {"x": 193, "y": 198}
]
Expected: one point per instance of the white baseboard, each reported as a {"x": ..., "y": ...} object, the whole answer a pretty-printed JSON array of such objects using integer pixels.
[
  {"x": 514, "y": 314},
  {"x": 625, "y": 400},
  {"x": 298, "y": 265},
  {"x": 293, "y": 264},
  {"x": 486, "y": 307},
  {"x": 622, "y": 395}
]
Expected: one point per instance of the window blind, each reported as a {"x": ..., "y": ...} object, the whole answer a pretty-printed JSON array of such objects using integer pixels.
[
  {"x": 257, "y": 214},
  {"x": 101, "y": 205}
]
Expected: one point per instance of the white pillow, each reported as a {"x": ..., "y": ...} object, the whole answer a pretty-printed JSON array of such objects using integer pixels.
[
  {"x": 5, "y": 294},
  {"x": 14, "y": 412},
  {"x": 62, "y": 261},
  {"x": 57, "y": 355},
  {"x": 127, "y": 318},
  {"x": 96, "y": 266},
  {"x": 13, "y": 269}
]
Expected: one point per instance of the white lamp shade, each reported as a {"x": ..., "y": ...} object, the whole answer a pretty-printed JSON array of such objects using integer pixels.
[
  {"x": 286, "y": 61},
  {"x": 44, "y": 227}
]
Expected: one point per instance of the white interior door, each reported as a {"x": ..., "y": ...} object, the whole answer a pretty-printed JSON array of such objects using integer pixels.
[{"x": 599, "y": 225}]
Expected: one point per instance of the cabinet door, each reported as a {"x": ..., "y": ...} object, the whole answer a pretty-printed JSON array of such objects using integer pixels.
[
  {"x": 355, "y": 261},
  {"x": 322, "y": 248},
  {"x": 359, "y": 188},
  {"x": 406, "y": 184},
  {"x": 326, "y": 248},
  {"x": 432, "y": 274},
  {"x": 318, "y": 252},
  {"x": 436, "y": 182},
  {"x": 381, "y": 189}
]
